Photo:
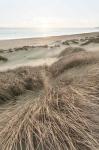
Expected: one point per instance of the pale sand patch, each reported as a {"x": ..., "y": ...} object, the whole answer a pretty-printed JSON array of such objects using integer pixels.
[
  {"x": 92, "y": 47},
  {"x": 38, "y": 62}
]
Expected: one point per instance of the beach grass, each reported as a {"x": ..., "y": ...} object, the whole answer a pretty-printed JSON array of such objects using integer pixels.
[{"x": 52, "y": 107}]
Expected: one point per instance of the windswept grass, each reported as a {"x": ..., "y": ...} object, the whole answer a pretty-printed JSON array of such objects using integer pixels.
[
  {"x": 55, "y": 108},
  {"x": 72, "y": 61},
  {"x": 16, "y": 82},
  {"x": 70, "y": 50},
  {"x": 50, "y": 121}
]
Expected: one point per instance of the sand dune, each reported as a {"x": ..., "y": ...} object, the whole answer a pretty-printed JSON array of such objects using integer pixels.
[{"x": 49, "y": 99}]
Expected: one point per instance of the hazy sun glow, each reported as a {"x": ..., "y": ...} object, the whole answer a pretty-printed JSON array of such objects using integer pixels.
[
  {"x": 43, "y": 23},
  {"x": 45, "y": 13}
]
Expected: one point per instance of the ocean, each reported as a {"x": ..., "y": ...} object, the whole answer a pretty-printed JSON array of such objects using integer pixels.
[{"x": 17, "y": 33}]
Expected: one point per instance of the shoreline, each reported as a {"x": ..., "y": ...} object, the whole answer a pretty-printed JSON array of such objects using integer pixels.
[{"x": 13, "y": 43}]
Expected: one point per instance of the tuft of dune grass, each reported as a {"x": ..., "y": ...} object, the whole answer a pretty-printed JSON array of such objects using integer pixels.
[
  {"x": 68, "y": 42},
  {"x": 74, "y": 60},
  {"x": 17, "y": 81},
  {"x": 91, "y": 40},
  {"x": 1, "y": 51},
  {"x": 70, "y": 50},
  {"x": 74, "y": 41},
  {"x": 50, "y": 121},
  {"x": 4, "y": 59},
  {"x": 65, "y": 43}
]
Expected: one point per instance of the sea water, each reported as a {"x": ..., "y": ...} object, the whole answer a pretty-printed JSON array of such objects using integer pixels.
[{"x": 17, "y": 33}]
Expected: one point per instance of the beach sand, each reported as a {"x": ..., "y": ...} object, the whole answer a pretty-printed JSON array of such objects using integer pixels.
[{"x": 6, "y": 44}]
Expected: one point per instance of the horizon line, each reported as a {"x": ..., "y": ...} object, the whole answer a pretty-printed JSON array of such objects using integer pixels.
[{"x": 45, "y": 27}]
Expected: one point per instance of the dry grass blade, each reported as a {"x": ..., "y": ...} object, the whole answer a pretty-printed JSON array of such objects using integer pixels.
[{"x": 48, "y": 122}]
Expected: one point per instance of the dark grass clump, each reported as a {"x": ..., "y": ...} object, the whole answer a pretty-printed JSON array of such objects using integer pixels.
[
  {"x": 74, "y": 41},
  {"x": 16, "y": 82},
  {"x": 1, "y": 51},
  {"x": 91, "y": 40},
  {"x": 10, "y": 50},
  {"x": 68, "y": 42},
  {"x": 4, "y": 59},
  {"x": 70, "y": 50},
  {"x": 25, "y": 48},
  {"x": 83, "y": 40},
  {"x": 65, "y": 43}
]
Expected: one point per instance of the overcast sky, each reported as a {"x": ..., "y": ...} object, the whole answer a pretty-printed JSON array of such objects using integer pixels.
[{"x": 49, "y": 13}]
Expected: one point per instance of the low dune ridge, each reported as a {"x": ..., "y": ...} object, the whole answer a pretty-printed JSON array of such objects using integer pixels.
[
  {"x": 52, "y": 107},
  {"x": 70, "y": 50},
  {"x": 91, "y": 40},
  {"x": 74, "y": 60}
]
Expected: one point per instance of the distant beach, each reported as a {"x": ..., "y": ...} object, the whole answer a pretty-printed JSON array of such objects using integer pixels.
[
  {"x": 19, "y": 33},
  {"x": 44, "y": 50}
]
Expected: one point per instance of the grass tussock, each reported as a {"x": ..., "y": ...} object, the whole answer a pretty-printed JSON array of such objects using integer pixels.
[
  {"x": 91, "y": 40},
  {"x": 16, "y": 82},
  {"x": 65, "y": 43},
  {"x": 4, "y": 59},
  {"x": 70, "y": 50},
  {"x": 48, "y": 122},
  {"x": 1, "y": 51},
  {"x": 68, "y": 42},
  {"x": 72, "y": 61}
]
